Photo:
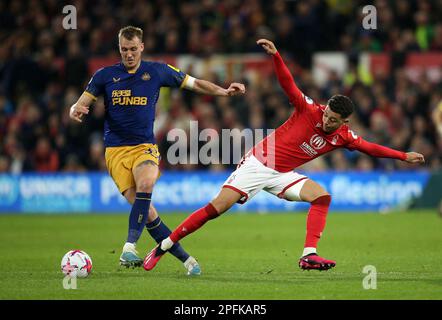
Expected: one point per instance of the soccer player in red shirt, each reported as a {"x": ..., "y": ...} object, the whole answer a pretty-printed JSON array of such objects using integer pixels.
[{"x": 311, "y": 131}]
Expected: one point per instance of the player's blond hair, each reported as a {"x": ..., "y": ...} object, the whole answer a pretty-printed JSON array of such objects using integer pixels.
[{"x": 130, "y": 32}]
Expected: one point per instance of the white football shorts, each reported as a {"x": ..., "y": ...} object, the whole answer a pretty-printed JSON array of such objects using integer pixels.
[{"x": 251, "y": 176}]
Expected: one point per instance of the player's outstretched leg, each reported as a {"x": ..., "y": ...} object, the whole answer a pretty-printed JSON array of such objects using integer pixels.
[
  {"x": 159, "y": 231},
  {"x": 193, "y": 222},
  {"x": 316, "y": 220}
]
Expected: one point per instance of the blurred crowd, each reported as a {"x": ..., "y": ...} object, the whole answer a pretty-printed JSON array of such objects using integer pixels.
[{"x": 44, "y": 69}]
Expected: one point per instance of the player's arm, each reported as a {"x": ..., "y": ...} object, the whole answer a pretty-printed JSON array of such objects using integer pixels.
[
  {"x": 81, "y": 107},
  {"x": 283, "y": 74},
  {"x": 378, "y": 151},
  {"x": 94, "y": 88},
  {"x": 209, "y": 88},
  {"x": 173, "y": 77}
]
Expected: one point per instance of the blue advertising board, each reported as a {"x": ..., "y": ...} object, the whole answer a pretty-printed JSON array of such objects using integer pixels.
[{"x": 187, "y": 191}]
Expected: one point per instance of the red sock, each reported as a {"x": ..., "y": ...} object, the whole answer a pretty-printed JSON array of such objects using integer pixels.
[
  {"x": 316, "y": 219},
  {"x": 194, "y": 222}
]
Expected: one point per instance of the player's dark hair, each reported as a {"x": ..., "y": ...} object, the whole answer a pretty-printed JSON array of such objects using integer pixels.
[
  {"x": 131, "y": 32},
  {"x": 342, "y": 105}
]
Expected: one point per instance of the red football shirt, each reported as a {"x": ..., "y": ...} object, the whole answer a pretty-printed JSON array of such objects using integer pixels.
[{"x": 301, "y": 138}]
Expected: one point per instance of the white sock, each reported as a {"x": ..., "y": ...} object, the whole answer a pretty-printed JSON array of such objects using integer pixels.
[
  {"x": 308, "y": 250},
  {"x": 166, "y": 244},
  {"x": 128, "y": 246},
  {"x": 190, "y": 261}
]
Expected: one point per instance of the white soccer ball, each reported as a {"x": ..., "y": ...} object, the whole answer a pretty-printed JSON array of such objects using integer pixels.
[{"x": 76, "y": 263}]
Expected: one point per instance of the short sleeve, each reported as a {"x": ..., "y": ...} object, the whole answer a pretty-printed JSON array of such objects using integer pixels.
[
  {"x": 95, "y": 87},
  {"x": 170, "y": 76}
]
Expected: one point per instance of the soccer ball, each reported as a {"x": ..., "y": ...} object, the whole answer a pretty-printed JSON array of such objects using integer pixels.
[{"x": 76, "y": 263}]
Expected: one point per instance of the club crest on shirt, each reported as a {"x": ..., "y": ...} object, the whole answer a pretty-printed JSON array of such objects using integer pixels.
[
  {"x": 145, "y": 76},
  {"x": 335, "y": 140},
  {"x": 317, "y": 142}
]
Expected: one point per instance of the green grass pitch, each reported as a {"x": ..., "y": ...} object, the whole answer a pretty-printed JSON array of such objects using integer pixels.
[{"x": 243, "y": 256}]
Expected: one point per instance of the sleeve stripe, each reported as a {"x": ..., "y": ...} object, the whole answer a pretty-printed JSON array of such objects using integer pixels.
[
  {"x": 183, "y": 84},
  {"x": 90, "y": 95}
]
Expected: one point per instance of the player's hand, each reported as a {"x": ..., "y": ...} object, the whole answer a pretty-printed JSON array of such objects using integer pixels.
[
  {"x": 414, "y": 157},
  {"x": 267, "y": 45},
  {"x": 77, "y": 111},
  {"x": 236, "y": 89}
]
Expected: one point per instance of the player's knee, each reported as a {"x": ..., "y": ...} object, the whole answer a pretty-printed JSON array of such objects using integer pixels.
[
  {"x": 221, "y": 205},
  {"x": 146, "y": 185},
  {"x": 311, "y": 191},
  {"x": 323, "y": 199},
  {"x": 225, "y": 200}
]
